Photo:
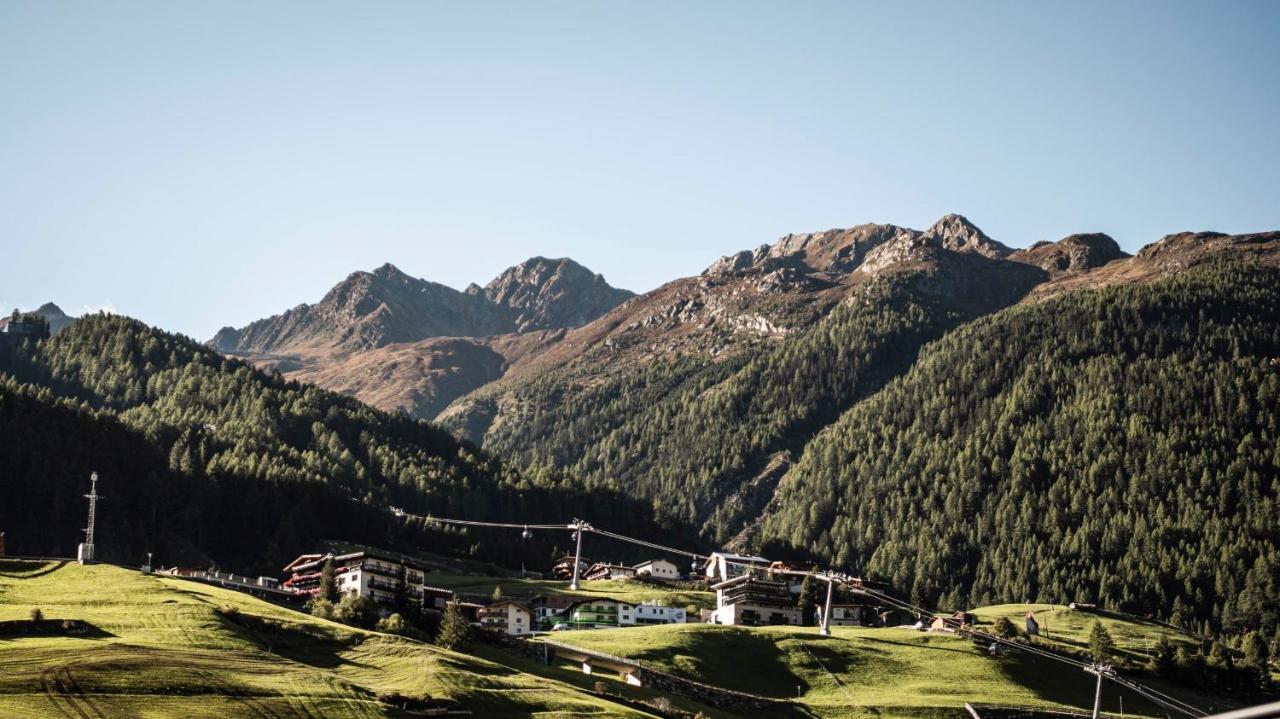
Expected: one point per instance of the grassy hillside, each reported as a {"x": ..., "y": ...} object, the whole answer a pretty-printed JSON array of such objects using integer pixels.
[
  {"x": 167, "y": 647},
  {"x": 1064, "y": 628},
  {"x": 861, "y": 671}
]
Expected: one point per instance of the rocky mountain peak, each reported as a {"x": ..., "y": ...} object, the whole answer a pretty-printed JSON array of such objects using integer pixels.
[
  {"x": 388, "y": 271},
  {"x": 957, "y": 233},
  {"x": 545, "y": 293}
]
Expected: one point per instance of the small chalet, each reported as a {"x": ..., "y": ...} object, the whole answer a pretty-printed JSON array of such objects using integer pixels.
[
  {"x": 507, "y": 616},
  {"x": 600, "y": 570},
  {"x": 658, "y": 569},
  {"x": 953, "y": 623},
  {"x": 563, "y": 568}
]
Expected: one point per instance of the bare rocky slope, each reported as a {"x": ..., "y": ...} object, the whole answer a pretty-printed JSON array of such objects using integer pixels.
[{"x": 402, "y": 343}]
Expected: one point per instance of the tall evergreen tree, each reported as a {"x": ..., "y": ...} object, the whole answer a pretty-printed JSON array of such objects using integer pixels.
[
  {"x": 454, "y": 628},
  {"x": 1101, "y": 645},
  {"x": 328, "y": 581}
]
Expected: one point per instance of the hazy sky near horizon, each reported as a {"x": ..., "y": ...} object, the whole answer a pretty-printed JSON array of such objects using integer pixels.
[{"x": 204, "y": 164}]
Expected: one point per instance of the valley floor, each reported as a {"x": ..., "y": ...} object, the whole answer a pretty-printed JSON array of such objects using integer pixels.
[{"x": 164, "y": 647}]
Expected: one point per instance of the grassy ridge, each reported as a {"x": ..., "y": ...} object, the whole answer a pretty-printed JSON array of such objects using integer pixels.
[{"x": 162, "y": 648}]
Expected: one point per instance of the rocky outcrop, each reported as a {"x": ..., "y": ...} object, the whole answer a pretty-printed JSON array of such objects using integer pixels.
[
  {"x": 1073, "y": 253},
  {"x": 543, "y": 294},
  {"x": 958, "y": 234}
]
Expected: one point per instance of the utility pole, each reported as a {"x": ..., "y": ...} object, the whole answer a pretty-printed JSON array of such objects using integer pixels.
[
  {"x": 85, "y": 555},
  {"x": 825, "y": 629},
  {"x": 578, "y": 526},
  {"x": 1100, "y": 670}
]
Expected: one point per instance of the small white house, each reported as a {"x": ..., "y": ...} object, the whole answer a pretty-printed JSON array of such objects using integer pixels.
[
  {"x": 508, "y": 617},
  {"x": 652, "y": 613},
  {"x": 658, "y": 569}
]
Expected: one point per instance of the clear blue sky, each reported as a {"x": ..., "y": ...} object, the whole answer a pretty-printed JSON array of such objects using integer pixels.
[{"x": 204, "y": 164}]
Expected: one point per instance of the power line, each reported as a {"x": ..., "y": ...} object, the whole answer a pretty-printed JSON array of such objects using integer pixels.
[{"x": 579, "y": 527}]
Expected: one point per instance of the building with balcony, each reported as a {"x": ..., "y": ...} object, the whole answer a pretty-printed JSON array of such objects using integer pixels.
[
  {"x": 751, "y": 601},
  {"x": 548, "y": 609},
  {"x": 653, "y": 613},
  {"x": 598, "y": 614},
  {"x": 508, "y": 617},
  {"x": 388, "y": 578},
  {"x": 600, "y": 570}
]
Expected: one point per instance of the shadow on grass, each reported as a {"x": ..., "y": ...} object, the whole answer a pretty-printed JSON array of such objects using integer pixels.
[
  {"x": 1053, "y": 681},
  {"x": 312, "y": 645},
  {"x": 74, "y": 628},
  {"x": 28, "y": 569},
  {"x": 741, "y": 660}
]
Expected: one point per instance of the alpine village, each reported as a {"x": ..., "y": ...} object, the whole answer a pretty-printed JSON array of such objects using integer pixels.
[{"x": 870, "y": 472}]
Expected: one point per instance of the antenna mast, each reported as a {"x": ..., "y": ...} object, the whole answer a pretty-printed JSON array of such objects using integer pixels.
[{"x": 85, "y": 555}]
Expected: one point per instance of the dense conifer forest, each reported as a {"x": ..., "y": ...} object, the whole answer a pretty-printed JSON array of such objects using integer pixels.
[
  {"x": 203, "y": 457},
  {"x": 1117, "y": 446},
  {"x": 1114, "y": 445},
  {"x": 690, "y": 434}
]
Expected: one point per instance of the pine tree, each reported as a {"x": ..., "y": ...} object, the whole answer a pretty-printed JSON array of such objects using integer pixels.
[
  {"x": 497, "y": 593},
  {"x": 1163, "y": 659},
  {"x": 1218, "y": 656},
  {"x": 1255, "y": 651},
  {"x": 806, "y": 601},
  {"x": 454, "y": 628},
  {"x": 1100, "y": 643},
  {"x": 328, "y": 583}
]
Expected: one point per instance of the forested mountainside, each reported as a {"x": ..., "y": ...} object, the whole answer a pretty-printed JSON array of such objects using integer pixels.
[
  {"x": 723, "y": 427},
  {"x": 716, "y": 436},
  {"x": 405, "y": 344},
  {"x": 700, "y": 394},
  {"x": 206, "y": 457},
  {"x": 1118, "y": 445}
]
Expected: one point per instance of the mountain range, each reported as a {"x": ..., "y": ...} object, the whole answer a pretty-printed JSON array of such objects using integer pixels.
[
  {"x": 407, "y": 344},
  {"x": 970, "y": 422},
  {"x": 402, "y": 343}
]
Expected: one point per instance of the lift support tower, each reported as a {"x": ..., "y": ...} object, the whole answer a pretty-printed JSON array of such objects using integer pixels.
[{"x": 85, "y": 552}]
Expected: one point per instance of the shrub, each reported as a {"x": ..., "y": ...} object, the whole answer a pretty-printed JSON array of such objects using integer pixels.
[
  {"x": 356, "y": 610},
  {"x": 36, "y": 614},
  {"x": 320, "y": 607},
  {"x": 394, "y": 624}
]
